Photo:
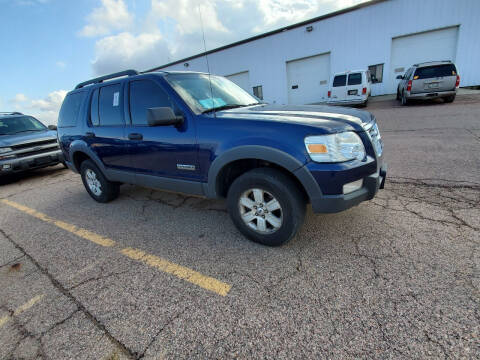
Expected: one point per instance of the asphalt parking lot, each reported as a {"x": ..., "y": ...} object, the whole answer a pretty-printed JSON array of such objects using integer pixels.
[{"x": 156, "y": 275}]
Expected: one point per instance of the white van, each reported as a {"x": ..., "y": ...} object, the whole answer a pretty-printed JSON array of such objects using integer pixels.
[{"x": 350, "y": 88}]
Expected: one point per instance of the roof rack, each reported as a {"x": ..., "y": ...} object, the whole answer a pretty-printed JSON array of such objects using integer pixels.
[
  {"x": 10, "y": 113},
  {"x": 107, "y": 77}
]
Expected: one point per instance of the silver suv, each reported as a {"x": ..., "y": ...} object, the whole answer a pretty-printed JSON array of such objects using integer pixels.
[{"x": 429, "y": 80}]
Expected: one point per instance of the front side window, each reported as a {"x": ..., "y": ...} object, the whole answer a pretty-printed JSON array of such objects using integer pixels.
[
  {"x": 145, "y": 94},
  {"x": 376, "y": 72},
  {"x": 339, "y": 80},
  {"x": 70, "y": 109},
  {"x": 205, "y": 93},
  {"x": 110, "y": 107},
  {"x": 21, "y": 124},
  {"x": 355, "y": 79}
]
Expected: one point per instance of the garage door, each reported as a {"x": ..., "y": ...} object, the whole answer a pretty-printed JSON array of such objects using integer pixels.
[
  {"x": 428, "y": 46},
  {"x": 242, "y": 79},
  {"x": 308, "y": 79}
]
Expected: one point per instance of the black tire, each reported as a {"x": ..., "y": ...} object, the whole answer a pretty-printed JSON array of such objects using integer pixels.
[
  {"x": 283, "y": 189},
  {"x": 449, "y": 99},
  {"x": 64, "y": 164},
  {"x": 404, "y": 99},
  {"x": 108, "y": 190},
  {"x": 398, "y": 94},
  {"x": 364, "y": 105}
]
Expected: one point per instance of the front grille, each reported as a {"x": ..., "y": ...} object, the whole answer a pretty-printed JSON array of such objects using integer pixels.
[
  {"x": 376, "y": 138},
  {"x": 36, "y": 152},
  {"x": 33, "y": 144}
]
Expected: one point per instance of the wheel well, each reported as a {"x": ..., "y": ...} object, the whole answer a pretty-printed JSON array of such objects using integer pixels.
[
  {"x": 78, "y": 158},
  {"x": 233, "y": 170}
]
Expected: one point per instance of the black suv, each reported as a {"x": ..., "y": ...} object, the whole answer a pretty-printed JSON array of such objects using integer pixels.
[{"x": 25, "y": 144}]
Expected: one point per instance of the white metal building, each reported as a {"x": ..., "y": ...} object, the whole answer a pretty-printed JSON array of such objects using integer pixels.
[{"x": 293, "y": 65}]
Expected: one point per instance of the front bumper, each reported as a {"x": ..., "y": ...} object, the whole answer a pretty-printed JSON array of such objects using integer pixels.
[
  {"x": 15, "y": 165},
  {"x": 337, "y": 203}
]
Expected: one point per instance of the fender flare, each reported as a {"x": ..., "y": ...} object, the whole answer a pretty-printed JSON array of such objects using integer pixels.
[
  {"x": 80, "y": 146},
  {"x": 275, "y": 156}
]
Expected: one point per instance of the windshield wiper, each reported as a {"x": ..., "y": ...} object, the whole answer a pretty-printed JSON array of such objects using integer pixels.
[
  {"x": 21, "y": 131},
  {"x": 223, "y": 107}
]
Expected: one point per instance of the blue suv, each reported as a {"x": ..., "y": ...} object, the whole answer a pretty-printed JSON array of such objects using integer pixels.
[{"x": 201, "y": 134}]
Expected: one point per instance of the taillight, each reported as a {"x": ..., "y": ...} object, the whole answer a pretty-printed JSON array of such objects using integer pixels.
[
  {"x": 364, "y": 91},
  {"x": 457, "y": 84},
  {"x": 329, "y": 93},
  {"x": 409, "y": 85}
]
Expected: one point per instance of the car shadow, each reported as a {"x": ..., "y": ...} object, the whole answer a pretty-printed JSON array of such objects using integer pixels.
[{"x": 51, "y": 171}]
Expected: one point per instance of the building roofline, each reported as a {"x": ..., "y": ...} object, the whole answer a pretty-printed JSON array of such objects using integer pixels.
[{"x": 273, "y": 32}]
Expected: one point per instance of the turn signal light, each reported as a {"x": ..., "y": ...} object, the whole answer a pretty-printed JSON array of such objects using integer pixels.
[
  {"x": 364, "y": 91},
  {"x": 329, "y": 93},
  {"x": 317, "y": 148},
  {"x": 457, "y": 84}
]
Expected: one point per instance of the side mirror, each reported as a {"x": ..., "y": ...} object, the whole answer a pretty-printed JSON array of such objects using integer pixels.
[
  {"x": 162, "y": 116},
  {"x": 400, "y": 77},
  {"x": 52, "y": 127}
]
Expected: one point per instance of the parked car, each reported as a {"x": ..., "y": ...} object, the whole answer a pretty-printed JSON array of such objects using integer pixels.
[
  {"x": 165, "y": 130},
  {"x": 350, "y": 88},
  {"x": 25, "y": 144},
  {"x": 429, "y": 80}
]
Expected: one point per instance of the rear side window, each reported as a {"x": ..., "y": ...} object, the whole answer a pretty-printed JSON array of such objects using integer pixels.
[
  {"x": 355, "y": 79},
  {"x": 110, "y": 105},
  {"x": 70, "y": 109},
  {"x": 339, "y": 80},
  {"x": 145, "y": 94},
  {"x": 435, "y": 71}
]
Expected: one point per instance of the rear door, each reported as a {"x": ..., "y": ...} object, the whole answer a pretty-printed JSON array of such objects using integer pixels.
[
  {"x": 354, "y": 86},
  {"x": 106, "y": 132},
  {"x": 434, "y": 78},
  {"x": 339, "y": 87}
]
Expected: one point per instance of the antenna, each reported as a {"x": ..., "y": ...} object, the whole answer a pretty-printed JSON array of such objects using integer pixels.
[{"x": 206, "y": 56}]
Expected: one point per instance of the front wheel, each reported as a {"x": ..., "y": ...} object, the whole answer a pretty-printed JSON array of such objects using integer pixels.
[
  {"x": 96, "y": 184},
  {"x": 266, "y": 206}
]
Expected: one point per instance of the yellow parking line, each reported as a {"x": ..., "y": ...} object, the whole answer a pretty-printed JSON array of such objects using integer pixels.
[
  {"x": 21, "y": 309},
  {"x": 87, "y": 235},
  {"x": 182, "y": 272}
]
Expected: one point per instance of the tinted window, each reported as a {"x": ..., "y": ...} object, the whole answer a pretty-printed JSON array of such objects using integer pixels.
[
  {"x": 355, "y": 79},
  {"x": 16, "y": 125},
  {"x": 70, "y": 109},
  {"x": 110, "y": 108},
  {"x": 94, "y": 109},
  {"x": 340, "y": 80},
  {"x": 145, "y": 94},
  {"x": 435, "y": 71}
]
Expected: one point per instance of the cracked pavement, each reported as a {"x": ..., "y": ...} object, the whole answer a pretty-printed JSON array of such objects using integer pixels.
[{"x": 396, "y": 277}]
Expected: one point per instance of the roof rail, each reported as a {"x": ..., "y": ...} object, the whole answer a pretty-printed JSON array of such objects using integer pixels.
[
  {"x": 107, "y": 77},
  {"x": 10, "y": 113}
]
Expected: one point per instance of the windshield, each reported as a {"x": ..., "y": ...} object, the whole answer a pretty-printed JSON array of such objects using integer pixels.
[
  {"x": 15, "y": 125},
  {"x": 201, "y": 96}
]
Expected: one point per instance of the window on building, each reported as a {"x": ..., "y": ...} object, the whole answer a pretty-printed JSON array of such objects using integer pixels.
[
  {"x": 145, "y": 94},
  {"x": 110, "y": 109},
  {"x": 355, "y": 79},
  {"x": 258, "y": 91},
  {"x": 340, "y": 80},
  {"x": 376, "y": 73}
]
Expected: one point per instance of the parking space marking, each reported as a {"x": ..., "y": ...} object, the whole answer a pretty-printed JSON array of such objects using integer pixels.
[
  {"x": 182, "y": 272},
  {"x": 85, "y": 234},
  {"x": 21, "y": 309}
]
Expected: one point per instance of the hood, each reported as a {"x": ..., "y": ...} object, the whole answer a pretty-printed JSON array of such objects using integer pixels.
[
  {"x": 330, "y": 119},
  {"x": 27, "y": 137}
]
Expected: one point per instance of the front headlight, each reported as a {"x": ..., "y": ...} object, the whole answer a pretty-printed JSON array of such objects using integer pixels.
[
  {"x": 333, "y": 148},
  {"x": 4, "y": 150}
]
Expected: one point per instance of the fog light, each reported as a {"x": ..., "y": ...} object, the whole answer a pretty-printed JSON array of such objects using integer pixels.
[
  {"x": 351, "y": 187},
  {"x": 6, "y": 167}
]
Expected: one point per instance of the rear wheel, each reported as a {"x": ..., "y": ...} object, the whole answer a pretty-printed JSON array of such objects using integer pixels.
[
  {"x": 449, "y": 99},
  {"x": 96, "y": 184},
  {"x": 398, "y": 95},
  {"x": 404, "y": 99},
  {"x": 266, "y": 206}
]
